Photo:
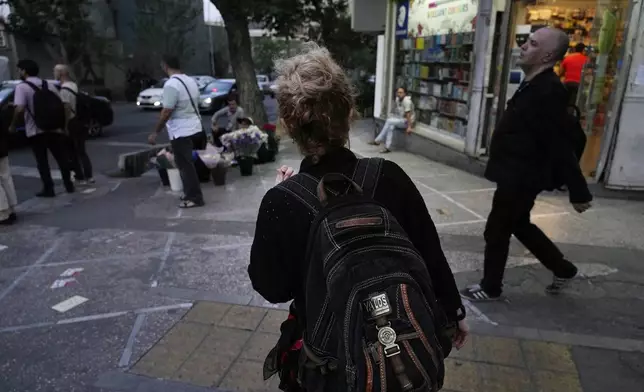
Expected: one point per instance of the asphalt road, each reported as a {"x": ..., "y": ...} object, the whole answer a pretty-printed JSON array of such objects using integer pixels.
[{"x": 128, "y": 133}]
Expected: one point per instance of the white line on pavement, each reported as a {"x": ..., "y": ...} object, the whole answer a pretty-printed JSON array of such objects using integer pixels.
[
  {"x": 164, "y": 258},
  {"x": 40, "y": 260},
  {"x": 470, "y": 191},
  {"x": 474, "y": 221},
  {"x": 477, "y": 312},
  {"x": 92, "y": 317},
  {"x": 227, "y": 246},
  {"x": 446, "y": 197},
  {"x": 186, "y": 305},
  {"x": 127, "y": 352}
]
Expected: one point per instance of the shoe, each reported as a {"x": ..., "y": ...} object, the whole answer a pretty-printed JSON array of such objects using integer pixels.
[
  {"x": 10, "y": 220},
  {"x": 385, "y": 151},
  {"x": 475, "y": 293},
  {"x": 374, "y": 143},
  {"x": 91, "y": 181},
  {"x": 46, "y": 193},
  {"x": 69, "y": 187},
  {"x": 80, "y": 182},
  {"x": 559, "y": 284}
]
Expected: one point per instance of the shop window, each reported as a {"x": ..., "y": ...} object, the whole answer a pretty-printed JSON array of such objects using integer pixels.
[{"x": 435, "y": 70}]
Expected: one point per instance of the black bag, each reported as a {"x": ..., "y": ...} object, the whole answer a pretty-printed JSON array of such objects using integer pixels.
[
  {"x": 577, "y": 134},
  {"x": 372, "y": 321},
  {"x": 84, "y": 106},
  {"x": 49, "y": 110}
]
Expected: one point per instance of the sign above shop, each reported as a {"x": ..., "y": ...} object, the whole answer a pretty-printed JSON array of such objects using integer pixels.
[
  {"x": 441, "y": 17},
  {"x": 402, "y": 18}
]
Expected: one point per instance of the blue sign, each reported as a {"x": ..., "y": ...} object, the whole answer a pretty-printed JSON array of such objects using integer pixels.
[{"x": 402, "y": 18}]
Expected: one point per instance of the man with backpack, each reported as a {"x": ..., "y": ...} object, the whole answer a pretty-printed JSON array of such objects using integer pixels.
[
  {"x": 75, "y": 111},
  {"x": 44, "y": 115},
  {"x": 534, "y": 148}
]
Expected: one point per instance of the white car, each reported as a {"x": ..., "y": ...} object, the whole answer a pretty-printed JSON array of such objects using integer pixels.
[
  {"x": 152, "y": 98},
  {"x": 263, "y": 82},
  {"x": 203, "y": 80}
]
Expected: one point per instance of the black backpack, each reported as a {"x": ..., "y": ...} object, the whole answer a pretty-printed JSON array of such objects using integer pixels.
[
  {"x": 84, "y": 108},
  {"x": 371, "y": 319},
  {"x": 49, "y": 110}
]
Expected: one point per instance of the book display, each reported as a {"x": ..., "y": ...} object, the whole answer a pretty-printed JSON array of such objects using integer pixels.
[{"x": 435, "y": 70}]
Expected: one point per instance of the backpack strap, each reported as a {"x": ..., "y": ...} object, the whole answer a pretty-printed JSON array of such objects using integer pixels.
[
  {"x": 304, "y": 187},
  {"x": 367, "y": 174}
]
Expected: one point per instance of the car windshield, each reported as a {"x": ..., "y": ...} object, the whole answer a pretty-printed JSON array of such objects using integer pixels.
[
  {"x": 218, "y": 87},
  {"x": 5, "y": 92}
]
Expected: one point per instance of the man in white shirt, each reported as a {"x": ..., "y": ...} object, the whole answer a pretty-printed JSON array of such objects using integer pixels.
[
  {"x": 181, "y": 118},
  {"x": 403, "y": 117},
  {"x": 80, "y": 162}
]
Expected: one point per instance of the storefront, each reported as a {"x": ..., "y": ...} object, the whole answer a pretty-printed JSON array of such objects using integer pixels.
[{"x": 601, "y": 26}]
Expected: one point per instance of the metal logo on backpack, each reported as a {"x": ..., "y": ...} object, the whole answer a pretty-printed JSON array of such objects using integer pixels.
[{"x": 377, "y": 305}]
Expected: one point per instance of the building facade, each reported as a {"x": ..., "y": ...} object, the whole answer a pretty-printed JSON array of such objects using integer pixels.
[{"x": 457, "y": 59}]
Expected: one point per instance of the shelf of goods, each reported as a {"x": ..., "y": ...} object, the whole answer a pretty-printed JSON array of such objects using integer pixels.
[{"x": 435, "y": 70}]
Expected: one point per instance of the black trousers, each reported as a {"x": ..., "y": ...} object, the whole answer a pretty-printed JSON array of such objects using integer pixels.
[
  {"x": 511, "y": 215},
  {"x": 56, "y": 143},
  {"x": 217, "y": 134},
  {"x": 573, "y": 90},
  {"x": 80, "y": 163},
  {"x": 182, "y": 148}
]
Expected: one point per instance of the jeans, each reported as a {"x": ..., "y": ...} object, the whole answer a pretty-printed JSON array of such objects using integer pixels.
[
  {"x": 511, "y": 215},
  {"x": 387, "y": 132},
  {"x": 56, "y": 143},
  {"x": 80, "y": 162},
  {"x": 8, "y": 199},
  {"x": 182, "y": 148}
]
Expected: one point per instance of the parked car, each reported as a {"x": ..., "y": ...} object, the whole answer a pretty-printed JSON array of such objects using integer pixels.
[
  {"x": 152, "y": 98},
  {"x": 101, "y": 116},
  {"x": 213, "y": 96}
]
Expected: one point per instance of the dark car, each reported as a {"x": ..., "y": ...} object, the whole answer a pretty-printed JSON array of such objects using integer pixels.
[
  {"x": 101, "y": 115},
  {"x": 213, "y": 96}
]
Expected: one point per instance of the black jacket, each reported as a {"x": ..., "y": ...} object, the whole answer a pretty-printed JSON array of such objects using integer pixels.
[
  {"x": 530, "y": 144},
  {"x": 278, "y": 253}
]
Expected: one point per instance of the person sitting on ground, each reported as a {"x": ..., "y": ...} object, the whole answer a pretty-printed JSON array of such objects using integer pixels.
[
  {"x": 228, "y": 116},
  {"x": 316, "y": 105},
  {"x": 403, "y": 117}
]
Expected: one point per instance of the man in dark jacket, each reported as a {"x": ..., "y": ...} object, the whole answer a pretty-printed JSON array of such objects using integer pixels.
[{"x": 531, "y": 151}]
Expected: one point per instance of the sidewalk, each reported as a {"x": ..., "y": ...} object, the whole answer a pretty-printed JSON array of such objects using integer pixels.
[{"x": 589, "y": 339}]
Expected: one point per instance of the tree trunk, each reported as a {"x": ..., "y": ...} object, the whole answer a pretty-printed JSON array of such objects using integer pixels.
[{"x": 239, "y": 46}]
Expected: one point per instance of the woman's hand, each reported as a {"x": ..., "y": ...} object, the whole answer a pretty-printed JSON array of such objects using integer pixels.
[
  {"x": 460, "y": 337},
  {"x": 284, "y": 173}
]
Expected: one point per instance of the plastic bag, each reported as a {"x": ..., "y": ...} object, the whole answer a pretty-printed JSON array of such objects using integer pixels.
[{"x": 211, "y": 156}]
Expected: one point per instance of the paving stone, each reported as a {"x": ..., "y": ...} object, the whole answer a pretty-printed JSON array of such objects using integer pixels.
[
  {"x": 206, "y": 312},
  {"x": 161, "y": 362},
  {"x": 548, "y": 356},
  {"x": 556, "y": 382},
  {"x": 467, "y": 352},
  {"x": 185, "y": 337},
  {"x": 259, "y": 346},
  {"x": 495, "y": 350},
  {"x": 461, "y": 376},
  {"x": 227, "y": 342},
  {"x": 273, "y": 321},
  {"x": 246, "y": 376},
  {"x": 204, "y": 368},
  {"x": 504, "y": 379},
  {"x": 243, "y": 317}
]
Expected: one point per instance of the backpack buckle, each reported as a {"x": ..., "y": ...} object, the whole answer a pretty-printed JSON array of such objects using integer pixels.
[{"x": 387, "y": 337}]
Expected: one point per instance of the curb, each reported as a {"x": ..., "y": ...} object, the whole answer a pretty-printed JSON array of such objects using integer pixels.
[{"x": 134, "y": 164}]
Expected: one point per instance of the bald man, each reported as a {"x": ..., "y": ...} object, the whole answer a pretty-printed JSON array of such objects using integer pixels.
[
  {"x": 531, "y": 151},
  {"x": 81, "y": 165}
]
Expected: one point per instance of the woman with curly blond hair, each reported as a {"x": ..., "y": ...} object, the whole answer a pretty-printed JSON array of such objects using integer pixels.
[{"x": 316, "y": 105}]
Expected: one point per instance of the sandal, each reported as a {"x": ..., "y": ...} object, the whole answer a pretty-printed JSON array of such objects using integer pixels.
[{"x": 190, "y": 204}]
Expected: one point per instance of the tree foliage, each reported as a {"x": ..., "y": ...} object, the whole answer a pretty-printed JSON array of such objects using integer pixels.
[
  {"x": 265, "y": 50},
  {"x": 63, "y": 26}
]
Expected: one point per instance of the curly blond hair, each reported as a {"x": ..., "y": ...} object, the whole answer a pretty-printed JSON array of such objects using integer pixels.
[{"x": 316, "y": 100}]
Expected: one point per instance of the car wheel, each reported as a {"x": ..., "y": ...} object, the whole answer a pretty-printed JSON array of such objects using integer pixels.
[{"x": 94, "y": 128}]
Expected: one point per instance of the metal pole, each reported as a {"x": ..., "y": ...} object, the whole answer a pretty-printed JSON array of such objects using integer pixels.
[
  {"x": 211, "y": 51},
  {"x": 477, "y": 94}
]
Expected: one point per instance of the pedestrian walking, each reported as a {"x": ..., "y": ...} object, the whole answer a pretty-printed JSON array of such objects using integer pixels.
[
  {"x": 185, "y": 130},
  {"x": 532, "y": 150},
  {"x": 8, "y": 198},
  {"x": 43, "y": 111},
  {"x": 337, "y": 225},
  {"x": 80, "y": 163},
  {"x": 403, "y": 117}
]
